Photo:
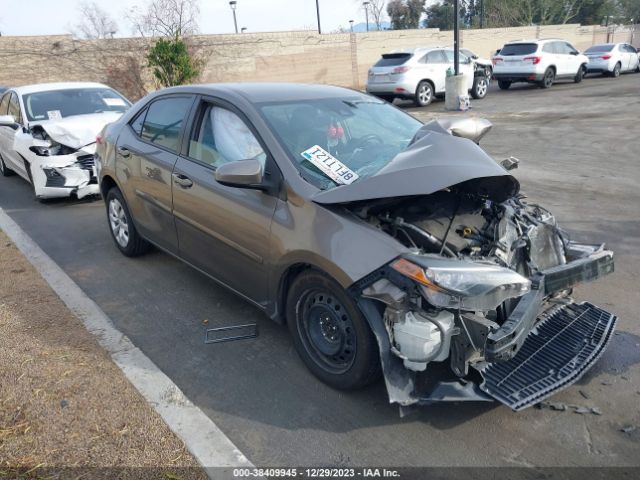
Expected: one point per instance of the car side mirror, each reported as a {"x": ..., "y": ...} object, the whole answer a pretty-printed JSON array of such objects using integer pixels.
[
  {"x": 8, "y": 121},
  {"x": 241, "y": 174},
  {"x": 575, "y": 53}
]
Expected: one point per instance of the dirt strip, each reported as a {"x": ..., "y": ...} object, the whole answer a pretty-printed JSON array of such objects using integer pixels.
[{"x": 66, "y": 410}]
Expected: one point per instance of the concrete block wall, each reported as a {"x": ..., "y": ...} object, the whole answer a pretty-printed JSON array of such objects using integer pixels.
[{"x": 340, "y": 59}]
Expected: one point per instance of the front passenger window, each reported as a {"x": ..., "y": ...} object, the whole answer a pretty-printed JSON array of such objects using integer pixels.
[{"x": 222, "y": 137}]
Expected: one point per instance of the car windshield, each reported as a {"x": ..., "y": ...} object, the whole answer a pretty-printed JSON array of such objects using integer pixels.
[
  {"x": 54, "y": 104},
  {"x": 360, "y": 134},
  {"x": 518, "y": 49},
  {"x": 599, "y": 48}
]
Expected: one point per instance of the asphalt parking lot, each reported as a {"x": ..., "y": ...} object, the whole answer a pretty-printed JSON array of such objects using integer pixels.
[{"x": 578, "y": 145}]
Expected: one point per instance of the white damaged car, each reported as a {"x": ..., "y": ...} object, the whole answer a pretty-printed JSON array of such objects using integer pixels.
[{"x": 48, "y": 134}]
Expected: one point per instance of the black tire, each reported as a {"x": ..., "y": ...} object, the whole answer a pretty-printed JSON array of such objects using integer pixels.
[
  {"x": 121, "y": 226},
  {"x": 616, "y": 70},
  {"x": 424, "y": 94},
  {"x": 548, "y": 78},
  {"x": 4, "y": 170},
  {"x": 580, "y": 75},
  {"x": 504, "y": 84},
  {"x": 480, "y": 87},
  {"x": 330, "y": 332}
]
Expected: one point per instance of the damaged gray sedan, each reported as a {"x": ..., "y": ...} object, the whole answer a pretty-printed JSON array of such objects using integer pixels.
[{"x": 388, "y": 247}]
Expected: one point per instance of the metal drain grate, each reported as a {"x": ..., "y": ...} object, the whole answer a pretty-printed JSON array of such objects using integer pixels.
[{"x": 557, "y": 352}]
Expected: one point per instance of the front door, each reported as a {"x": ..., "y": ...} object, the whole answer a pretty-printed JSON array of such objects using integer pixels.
[{"x": 224, "y": 231}]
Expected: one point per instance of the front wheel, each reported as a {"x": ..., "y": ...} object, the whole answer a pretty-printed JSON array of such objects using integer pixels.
[
  {"x": 504, "y": 84},
  {"x": 121, "y": 226},
  {"x": 548, "y": 78},
  {"x": 480, "y": 87},
  {"x": 330, "y": 332},
  {"x": 424, "y": 94},
  {"x": 580, "y": 75}
]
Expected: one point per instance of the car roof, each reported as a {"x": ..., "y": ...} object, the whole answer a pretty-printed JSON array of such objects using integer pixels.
[
  {"x": 258, "y": 92},
  {"x": 46, "y": 87},
  {"x": 607, "y": 44},
  {"x": 535, "y": 40}
]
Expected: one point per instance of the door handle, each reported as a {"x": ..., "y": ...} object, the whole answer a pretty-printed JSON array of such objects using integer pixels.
[
  {"x": 182, "y": 180},
  {"x": 124, "y": 152}
]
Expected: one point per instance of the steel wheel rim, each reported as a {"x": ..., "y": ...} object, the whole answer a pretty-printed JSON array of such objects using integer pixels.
[
  {"x": 481, "y": 88},
  {"x": 424, "y": 94},
  {"x": 327, "y": 331},
  {"x": 118, "y": 223}
]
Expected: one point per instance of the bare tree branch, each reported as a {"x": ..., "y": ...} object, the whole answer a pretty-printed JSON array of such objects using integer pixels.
[
  {"x": 94, "y": 22},
  {"x": 376, "y": 11},
  {"x": 165, "y": 18}
]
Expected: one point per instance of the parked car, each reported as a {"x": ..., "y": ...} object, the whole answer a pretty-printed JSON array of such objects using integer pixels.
[
  {"x": 48, "y": 134},
  {"x": 420, "y": 75},
  {"x": 384, "y": 244},
  {"x": 612, "y": 59},
  {"x": 485, "y": 63},
  {"x": 538, "y": 61}
]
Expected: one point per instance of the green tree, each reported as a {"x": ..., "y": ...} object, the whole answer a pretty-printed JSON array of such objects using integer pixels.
[
  {"x": 405, "y": 14},
  {"x": 628, "y": 10},
  {"x": 172, "y": 63}
]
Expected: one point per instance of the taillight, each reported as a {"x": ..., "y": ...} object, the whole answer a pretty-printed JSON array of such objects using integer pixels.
[
  {"x": 534, "y": 60},
  {"x": 605, "y": 57},
  {"x": 495, "y": 60},
  {"x": 401, "y": 69}
]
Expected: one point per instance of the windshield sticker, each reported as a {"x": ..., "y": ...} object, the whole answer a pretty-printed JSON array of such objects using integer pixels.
[
  {"x": 330, "y": 165},
  {"x": 54, "y": 114},
  {"x": 114, "y": 102}
]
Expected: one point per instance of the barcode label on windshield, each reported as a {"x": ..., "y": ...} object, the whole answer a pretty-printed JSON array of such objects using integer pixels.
[{"x": 330, "y": 165}]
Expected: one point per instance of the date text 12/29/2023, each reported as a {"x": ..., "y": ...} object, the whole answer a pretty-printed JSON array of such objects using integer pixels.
[{"x": 319, "y": 472}]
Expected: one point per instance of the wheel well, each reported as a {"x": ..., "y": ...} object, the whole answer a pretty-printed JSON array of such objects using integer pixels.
[
  {"x": 107, "y": 184},
  {"x": 433, "y": 85},
  {"x": 285, "y": 282},
  {"x": 553, "y": 67}
]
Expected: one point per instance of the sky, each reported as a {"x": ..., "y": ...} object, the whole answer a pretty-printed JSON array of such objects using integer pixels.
[{"x": 48, "y": 17}]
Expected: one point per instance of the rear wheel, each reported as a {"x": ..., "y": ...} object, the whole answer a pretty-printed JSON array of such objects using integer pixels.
[
  {"x": 580, "y": 75},
  {"x": 330, "y": 333},
  {"x": 616, "y": 70},
  {"x": 121, "y": 226},
  {"x": 548, "y": 78},
  {"x": 504, "y": 84},
  {"x": 4, "y": 170},
  {"x": 424, "y": 94},
  {"x": 480, "y": 87}
]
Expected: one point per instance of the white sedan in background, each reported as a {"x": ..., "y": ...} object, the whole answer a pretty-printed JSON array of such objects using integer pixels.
[
  {"x": 612, "y": 58},
  {"x": 48, "y": 134}
]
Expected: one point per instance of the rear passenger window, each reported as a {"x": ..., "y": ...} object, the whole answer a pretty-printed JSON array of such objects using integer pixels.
[
  {"x": 14, "y": 108},
  {"x": 136, "y": 124},
  {"x": 163, "y": 121},
  {"x": 435, "y": 57}
]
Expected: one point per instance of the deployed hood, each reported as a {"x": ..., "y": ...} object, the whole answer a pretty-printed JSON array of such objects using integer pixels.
[
  {"x": 435, "y": 161},
  {"x": 79, "y": 130}
]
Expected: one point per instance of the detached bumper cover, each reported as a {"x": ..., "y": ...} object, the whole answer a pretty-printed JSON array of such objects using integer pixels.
[{"x": 555, "y": 355}]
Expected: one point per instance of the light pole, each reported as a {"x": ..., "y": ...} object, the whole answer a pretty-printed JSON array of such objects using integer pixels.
[
  {"x": 351, "y": 25},
  {"x": 318, "y": 15},
  {"x": 456, "y": 39},
  {"x": 233, "y": 5},
  {"x": 366, "y": 12}
]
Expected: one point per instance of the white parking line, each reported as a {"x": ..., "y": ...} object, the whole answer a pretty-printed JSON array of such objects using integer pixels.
[{"x": 202, "y": 437}]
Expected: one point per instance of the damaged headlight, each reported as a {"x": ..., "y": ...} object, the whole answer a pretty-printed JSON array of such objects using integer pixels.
[
  {"x": 465, "y": 285},
  {"x": 53, "y": 149}
]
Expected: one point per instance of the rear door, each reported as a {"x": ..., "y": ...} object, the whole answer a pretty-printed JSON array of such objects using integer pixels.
[
  {"x": 147, "y": 151},
  {"x": 222, "y": 230},
  {"x": 436, "y": 65}
]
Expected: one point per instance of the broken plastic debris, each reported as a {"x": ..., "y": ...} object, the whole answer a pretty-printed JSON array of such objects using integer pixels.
[
  {"x": 596, "y": 411},
  {"x": 628, "y": 429},
  {"x": 228, "y": 334}
]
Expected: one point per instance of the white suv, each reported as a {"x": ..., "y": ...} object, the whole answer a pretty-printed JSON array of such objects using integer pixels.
[
  {"x": 538, "y": 61},
  {"x": 420, "y": 75}
]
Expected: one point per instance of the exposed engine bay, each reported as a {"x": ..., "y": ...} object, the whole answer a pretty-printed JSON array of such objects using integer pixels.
[{"x": 484, "y": 280}]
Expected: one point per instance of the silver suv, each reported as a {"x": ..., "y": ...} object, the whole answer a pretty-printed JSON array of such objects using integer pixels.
[
  {"x": 538, "y": 61},
  {"x": 420, "y": 75}
]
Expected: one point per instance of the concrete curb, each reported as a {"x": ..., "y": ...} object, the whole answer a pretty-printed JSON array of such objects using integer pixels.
[{"x": 202, "y": 437}]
